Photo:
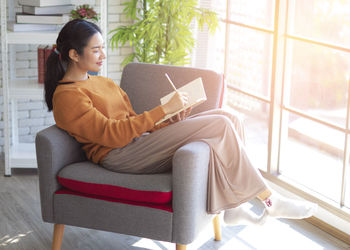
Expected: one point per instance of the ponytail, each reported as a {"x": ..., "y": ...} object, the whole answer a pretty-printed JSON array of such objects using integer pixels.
[
  {"x": 74, "y": 35},
  {"x": 54, "y": 72}
]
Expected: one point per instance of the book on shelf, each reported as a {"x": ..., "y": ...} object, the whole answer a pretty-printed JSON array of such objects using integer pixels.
[
  {"x": 43, "y": 53},
  {"x": 42, "y": 19},
  {"x": 47, "y": 10},
  {"x": 196, "y": 96},
  {"x": 43, "y": 3},
  {"x": 22, "y": 27},
  {"x": 41, "y": 63}
]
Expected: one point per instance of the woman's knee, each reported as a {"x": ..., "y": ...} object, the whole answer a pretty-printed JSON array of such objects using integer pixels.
[
  {"x": 221, "y": 120},
  {"x": 235, "y": 117},
  {"x": 217, "y": 120}
]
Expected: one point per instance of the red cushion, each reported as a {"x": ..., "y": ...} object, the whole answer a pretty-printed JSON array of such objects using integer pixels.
[
  {"x": 166, "y": 207},
  {"x": 116, "y": 192},
  {"x": 89, "y": 178}
]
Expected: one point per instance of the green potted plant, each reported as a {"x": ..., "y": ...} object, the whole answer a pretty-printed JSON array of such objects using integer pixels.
[
  {"x": 161, "y": 32},
  {"x": 85, "y": 12}
]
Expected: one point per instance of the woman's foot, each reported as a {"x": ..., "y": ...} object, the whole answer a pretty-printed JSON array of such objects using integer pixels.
[
  {"x": 243, "y": 216},
  {"x": 281, "y": 207}
]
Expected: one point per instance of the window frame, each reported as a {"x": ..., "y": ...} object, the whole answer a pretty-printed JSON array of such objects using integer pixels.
[{"x": 277, "y": 106}]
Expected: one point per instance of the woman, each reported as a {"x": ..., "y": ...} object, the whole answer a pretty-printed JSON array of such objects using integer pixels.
[{"x": 99, "y": 115}]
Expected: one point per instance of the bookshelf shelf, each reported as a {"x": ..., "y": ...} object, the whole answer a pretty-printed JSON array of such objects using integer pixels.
[
  {"x": 44, "y": 37},
  {"x": 16, "y": 153},
  {"x": 26, "y": 89}
]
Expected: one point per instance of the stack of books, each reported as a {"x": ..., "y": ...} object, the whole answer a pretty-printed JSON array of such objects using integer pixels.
[{"x": 42, "y": 15}]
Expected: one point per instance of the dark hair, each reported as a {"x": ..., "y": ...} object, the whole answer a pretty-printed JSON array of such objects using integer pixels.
[{"x": 74, "y": 35}]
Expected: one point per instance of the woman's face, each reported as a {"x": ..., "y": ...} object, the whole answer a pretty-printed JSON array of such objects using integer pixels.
[{"x": 93, "y": 54}]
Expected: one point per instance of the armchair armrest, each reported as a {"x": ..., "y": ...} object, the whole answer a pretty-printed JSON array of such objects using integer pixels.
[
  {"x": 190, "y": 177},
  {"x": 54, "y": 150}
]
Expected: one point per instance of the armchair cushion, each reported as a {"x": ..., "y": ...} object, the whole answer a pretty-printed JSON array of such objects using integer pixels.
[{"x": 89, "y": 178}]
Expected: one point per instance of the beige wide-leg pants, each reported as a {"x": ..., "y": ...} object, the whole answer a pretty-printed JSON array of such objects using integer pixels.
[{"x": 232, "y": 179}]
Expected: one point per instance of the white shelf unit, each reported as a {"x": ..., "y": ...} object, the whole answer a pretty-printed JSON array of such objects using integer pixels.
[
  {"x": 24, "y": 88},
  {"x": 47, "y": 37},
  {"x": 16, "y": 154}
]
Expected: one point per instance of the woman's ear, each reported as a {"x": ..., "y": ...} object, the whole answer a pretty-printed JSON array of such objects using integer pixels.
[{"x": 73, "y": 55}]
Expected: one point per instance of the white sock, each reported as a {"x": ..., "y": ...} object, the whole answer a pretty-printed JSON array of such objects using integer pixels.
[
  {"x": 282, "y": 207},
  {"x": 243, "y": 216}
]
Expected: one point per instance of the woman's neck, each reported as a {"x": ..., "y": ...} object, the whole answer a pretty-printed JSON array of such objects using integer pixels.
[{"x": 75, "y": 75}]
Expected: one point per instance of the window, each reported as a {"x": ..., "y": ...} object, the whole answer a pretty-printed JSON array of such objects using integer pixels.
[{"x": 287, "y": 67}]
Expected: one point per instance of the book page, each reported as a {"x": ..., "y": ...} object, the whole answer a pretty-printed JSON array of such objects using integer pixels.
[{"x": 196, "y": 96}]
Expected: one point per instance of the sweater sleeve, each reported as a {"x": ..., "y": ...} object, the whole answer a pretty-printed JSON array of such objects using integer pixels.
[{"x": 75, "y": 113}]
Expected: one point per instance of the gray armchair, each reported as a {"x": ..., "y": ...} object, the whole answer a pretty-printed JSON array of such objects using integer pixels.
[{"x": 178, "y": 221}]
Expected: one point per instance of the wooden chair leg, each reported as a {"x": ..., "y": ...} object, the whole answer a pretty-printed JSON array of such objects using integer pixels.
[
  {"x": 217, "y": 228},
  {"x": 58, "y": 231},
  {"x": 181, "y": 247}
]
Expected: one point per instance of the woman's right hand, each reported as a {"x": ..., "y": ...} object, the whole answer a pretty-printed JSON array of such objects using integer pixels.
[{"x": 178, "y": 101}]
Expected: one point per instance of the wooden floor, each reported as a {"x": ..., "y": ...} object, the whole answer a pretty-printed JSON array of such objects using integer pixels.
[{"x": 21, "y": 227}]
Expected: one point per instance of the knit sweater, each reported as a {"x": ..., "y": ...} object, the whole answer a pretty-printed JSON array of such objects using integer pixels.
[{"x": 98, "y": 114}]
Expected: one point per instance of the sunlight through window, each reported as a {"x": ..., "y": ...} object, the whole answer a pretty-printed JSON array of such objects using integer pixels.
[{"x": 290, "y": 84}]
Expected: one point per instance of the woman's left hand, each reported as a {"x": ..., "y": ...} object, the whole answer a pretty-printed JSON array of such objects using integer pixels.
[{"x": 180, "y": 116}]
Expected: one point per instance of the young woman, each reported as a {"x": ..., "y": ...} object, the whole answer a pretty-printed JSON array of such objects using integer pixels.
[{"x": 99, "y": 115}]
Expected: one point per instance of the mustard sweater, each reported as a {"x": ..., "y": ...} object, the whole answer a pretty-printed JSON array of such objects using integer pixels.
[{"x": 98, "y": 114}]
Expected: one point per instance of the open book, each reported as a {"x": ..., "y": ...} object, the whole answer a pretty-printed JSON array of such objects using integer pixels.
[{"x": 196, "y": 96}]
